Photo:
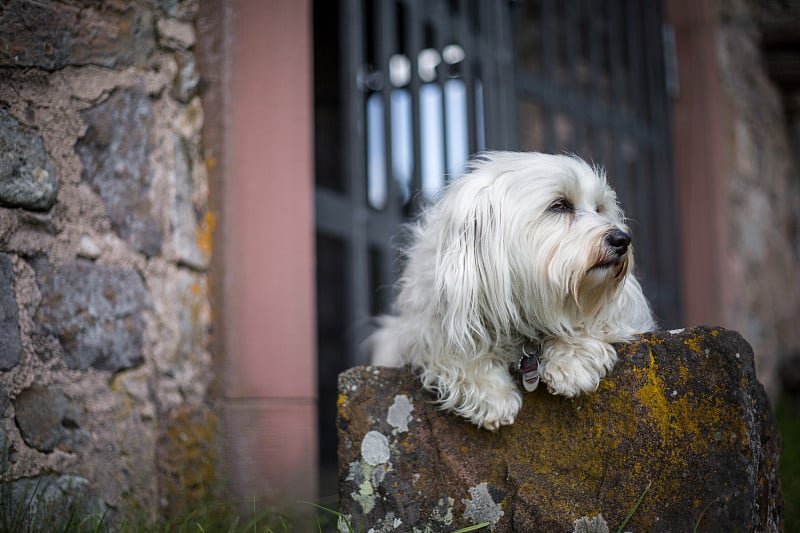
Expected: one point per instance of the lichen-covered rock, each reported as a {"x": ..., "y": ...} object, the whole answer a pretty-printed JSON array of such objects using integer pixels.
[{"x": 682, "y": 413}]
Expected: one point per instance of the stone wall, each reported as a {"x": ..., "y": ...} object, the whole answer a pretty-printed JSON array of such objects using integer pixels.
[
  {"x": 763, "y": 194},
  {"x": 104, "y": 248}
]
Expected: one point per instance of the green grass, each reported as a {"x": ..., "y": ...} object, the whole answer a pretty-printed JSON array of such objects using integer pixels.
[
  {"x": 788, "y": 414},
  {"x": 21, "y": 515}
]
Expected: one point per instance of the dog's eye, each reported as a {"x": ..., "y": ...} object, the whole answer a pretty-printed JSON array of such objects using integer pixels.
[{"x": 562, "y": 205}]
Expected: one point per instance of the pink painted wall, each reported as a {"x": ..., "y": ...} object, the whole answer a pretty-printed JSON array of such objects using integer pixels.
[
  {"x": 269, "y": 368},
  {"x": 699, "y": 168}
]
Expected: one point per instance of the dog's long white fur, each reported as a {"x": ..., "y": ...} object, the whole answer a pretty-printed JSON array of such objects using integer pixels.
[{"x": 492, "y": 264}]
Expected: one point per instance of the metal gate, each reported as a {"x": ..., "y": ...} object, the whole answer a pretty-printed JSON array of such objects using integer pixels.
[
  {"x": 592, "y": 80},
  {"x": 405, "y": 92}
]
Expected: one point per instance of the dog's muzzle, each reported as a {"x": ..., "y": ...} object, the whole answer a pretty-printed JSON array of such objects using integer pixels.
[{"x": 616, "y": 244}]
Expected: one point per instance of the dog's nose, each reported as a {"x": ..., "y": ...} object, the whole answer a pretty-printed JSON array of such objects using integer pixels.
[{"x": 618, "y": 241}]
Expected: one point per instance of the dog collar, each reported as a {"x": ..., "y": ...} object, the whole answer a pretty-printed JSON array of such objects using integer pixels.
[{"x": 528, "y": 365}]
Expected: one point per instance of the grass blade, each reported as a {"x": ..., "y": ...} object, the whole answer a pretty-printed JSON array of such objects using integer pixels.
[
  {"x": 339, "y": 515},
  {"x": 476, "y": 527},
  {"x": 633, "y": 509}
]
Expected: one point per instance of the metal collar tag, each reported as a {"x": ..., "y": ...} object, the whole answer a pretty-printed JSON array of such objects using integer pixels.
[{"x": 528, "y": 365}]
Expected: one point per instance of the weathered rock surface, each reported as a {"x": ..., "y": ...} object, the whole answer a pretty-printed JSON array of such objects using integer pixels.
[
  {"x": 48, "y": 419},
  {"x": 682, "y": 413},
  {"x": 52, "y": 35},
  {"x": 115, "y": 153},
  {"x": 27, "y": 175},
  {"x": 10, "y": 343},
  {"x": 95, "y": 312}
]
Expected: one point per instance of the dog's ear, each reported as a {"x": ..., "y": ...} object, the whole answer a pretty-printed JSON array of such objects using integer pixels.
[{"x": 472, "y": 277}]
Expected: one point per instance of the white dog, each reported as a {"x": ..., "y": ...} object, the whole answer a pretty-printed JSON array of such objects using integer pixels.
[{"x": 524, "y": 262}]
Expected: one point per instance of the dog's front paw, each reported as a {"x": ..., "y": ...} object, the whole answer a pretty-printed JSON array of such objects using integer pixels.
[
  {"x": 488, "y": 399},
  {"x": 500, "y": 410},
  {"x": 574, "y": 367}
]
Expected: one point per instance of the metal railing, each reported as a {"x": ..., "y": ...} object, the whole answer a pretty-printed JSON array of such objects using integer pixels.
[{"x": 591, "y": 80}]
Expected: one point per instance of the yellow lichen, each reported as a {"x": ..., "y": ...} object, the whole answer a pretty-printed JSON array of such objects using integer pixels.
[
  {"x": 205, "y": 232},
  {"x": 683, "y": 417},
  {"x": 651, "y": 394},
  {"x": 694, "y": 344},
  {"x": 188, "y": 459},
  {"x": 607, "y": 385}
]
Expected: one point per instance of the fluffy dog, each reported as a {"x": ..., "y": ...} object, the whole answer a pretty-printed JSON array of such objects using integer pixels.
[{"x": 525, "y": 261}]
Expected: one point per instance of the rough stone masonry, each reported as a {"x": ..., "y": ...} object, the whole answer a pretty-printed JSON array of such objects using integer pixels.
[
  {"x": 104, "y": 249},
  {"x": 681, "y": 421}
]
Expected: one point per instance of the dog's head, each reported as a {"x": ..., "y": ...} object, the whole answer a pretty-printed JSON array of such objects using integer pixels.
[{"x": 528, "y": 238}]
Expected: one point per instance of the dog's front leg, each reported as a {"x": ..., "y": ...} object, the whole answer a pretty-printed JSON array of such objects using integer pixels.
[
  {"x": 571, "y": 366},
  {"x": 482, "y": 391}
]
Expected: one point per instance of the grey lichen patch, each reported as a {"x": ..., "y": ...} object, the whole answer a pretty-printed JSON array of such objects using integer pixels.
[
  {"x": 349, "y": 382},
  {"x": 482, "y": 507},
  {"x": 375, "y": 448},
  {"x": 369, "y": 473},
  {"x": 361, "y": 473},
  {"x": 443, "y": 513},
  {"x": 387, "y": 524},
  {"x": 591, "y": 525},
  {"x": 379, "y": 473},
  {"x": 399, "y": 414}
]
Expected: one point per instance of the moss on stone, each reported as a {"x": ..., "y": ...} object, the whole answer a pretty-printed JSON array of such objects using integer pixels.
[{"x": 187, "y": 457}]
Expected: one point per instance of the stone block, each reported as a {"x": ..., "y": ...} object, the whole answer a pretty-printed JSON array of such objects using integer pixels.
[
  {"x": 174, "y": 33},
  {"x": 52, "y": 35},
  {"x": 183, "y": 219},
  {"x": 94, "y": 311},
  {"x": 48, "y": 419},
  {"x": 115, "y": 152},
  {"x": 10, "y": 342},
  {"x": 187, "y": 77},
  {"x": 682, "y": 413},
  {"x": 27, "y": 175}
]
